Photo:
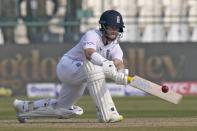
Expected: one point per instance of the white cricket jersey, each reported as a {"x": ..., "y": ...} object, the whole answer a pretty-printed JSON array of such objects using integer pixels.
[{"x": 93, "y": 39}]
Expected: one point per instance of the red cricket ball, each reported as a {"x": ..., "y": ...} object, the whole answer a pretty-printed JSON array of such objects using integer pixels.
[{"x": 164, "y": 89}]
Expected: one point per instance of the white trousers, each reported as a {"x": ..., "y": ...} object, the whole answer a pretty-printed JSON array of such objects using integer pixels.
[{"x": 72, "y": 75}]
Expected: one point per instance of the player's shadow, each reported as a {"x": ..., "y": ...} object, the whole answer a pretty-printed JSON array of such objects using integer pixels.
[{"x": 53, "y": 121}]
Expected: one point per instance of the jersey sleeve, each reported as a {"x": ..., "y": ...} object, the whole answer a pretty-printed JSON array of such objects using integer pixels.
[
  {"x": 90, "y": 40},
  {"x": 117, "y": 53}
]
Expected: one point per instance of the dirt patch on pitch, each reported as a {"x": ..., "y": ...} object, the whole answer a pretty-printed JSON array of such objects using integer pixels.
[{"x": 92, "y": 123}]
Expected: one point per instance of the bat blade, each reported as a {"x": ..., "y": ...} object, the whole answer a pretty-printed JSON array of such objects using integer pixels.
[{"x": 154, "y": 89}]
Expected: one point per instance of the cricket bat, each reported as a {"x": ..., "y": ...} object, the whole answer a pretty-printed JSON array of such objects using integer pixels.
[{"x": 154, "y": 89}]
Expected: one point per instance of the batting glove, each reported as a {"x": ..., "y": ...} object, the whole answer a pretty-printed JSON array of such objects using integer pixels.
[
  {"x": 120, "y": 78},
  {"x": 109, "y": 69}
]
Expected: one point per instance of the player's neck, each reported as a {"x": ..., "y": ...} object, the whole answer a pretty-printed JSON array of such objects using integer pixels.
[{"x": 105, "y": 41}]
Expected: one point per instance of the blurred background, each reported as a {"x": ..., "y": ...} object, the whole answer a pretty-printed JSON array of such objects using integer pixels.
[
  {"x": 33, "y": 21},
  {"x": 159, "y": 41}
]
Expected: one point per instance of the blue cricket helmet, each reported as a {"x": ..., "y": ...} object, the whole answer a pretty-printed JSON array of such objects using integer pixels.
[{"x": 111, "y": 18}]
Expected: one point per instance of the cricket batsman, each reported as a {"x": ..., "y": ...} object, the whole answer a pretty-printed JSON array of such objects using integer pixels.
[{"x": 96, "y": 57}]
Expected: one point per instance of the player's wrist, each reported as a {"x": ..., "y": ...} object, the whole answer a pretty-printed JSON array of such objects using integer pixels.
[{"x": 97, "y": 59}]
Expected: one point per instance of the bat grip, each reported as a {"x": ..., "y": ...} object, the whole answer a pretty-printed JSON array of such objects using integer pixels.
[{"x": 129, "y": 78}]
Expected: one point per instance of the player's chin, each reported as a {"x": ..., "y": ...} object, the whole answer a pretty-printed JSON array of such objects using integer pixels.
[{"x": 112, "y": 37}]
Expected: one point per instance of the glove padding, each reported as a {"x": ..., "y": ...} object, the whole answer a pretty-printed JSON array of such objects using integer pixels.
[
  {"x": 109, "y": 69},
  {"x": 121, "y": 77},
  {"x": 125, "y": 71}
]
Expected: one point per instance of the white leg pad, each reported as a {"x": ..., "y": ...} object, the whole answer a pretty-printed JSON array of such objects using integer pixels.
[{"x": 99, "y": 93}]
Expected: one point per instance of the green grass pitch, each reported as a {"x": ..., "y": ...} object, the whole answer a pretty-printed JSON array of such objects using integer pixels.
[{"x": 140, "y": 114}]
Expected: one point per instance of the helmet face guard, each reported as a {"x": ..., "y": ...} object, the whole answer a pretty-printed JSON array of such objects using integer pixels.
[{"x": 111, "y": 18}]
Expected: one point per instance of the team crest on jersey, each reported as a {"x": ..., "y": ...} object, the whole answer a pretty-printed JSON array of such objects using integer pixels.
[{"x": 118, "y": 19}]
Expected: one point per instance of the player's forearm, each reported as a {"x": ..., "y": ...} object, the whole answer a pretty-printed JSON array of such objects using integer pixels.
[
  {"x": 119, "y": 64},
  {"x": 97, "y": 59},
  {"x": 89, "y": 52},
  {"x": 94, "y": 57}
]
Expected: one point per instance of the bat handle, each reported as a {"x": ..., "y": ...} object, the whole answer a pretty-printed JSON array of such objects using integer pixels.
[{"x": 129, "y": 78}]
